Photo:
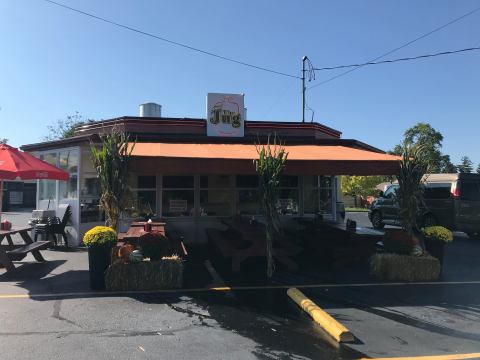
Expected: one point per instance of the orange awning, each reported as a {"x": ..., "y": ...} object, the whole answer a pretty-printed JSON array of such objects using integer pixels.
[{"x": 302, "y": 159}]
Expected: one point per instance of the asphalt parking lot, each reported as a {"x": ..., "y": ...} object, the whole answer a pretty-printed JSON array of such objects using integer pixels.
[{"x": 48, "y": 312}]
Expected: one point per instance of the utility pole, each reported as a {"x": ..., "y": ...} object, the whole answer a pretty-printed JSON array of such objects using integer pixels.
[{"x": 303, "y": 88}]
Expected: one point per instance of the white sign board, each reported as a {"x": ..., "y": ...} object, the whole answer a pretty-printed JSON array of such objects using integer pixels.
[
  {"x": 225, "y": 115},
  {"x": 178, "y": 206}
]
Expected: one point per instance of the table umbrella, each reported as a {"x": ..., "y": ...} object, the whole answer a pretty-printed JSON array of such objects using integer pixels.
[{"x": 16, "y": 164}]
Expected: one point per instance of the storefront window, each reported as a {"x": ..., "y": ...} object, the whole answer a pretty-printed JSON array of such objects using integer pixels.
[
  {"x": 48, "y": 188},
  {"x": 288, "y": 196},
  {"x": 178, "y": 182},
  {"x": 143, "y": 196},
  {"x": 247, "y": 195},
  {"x": 317, "y": 194},
  {"x": 69, "y": 162},
  {"x": 90, "y": 192},
  {"x": 178, "y": 196},
  {"x": 215, "y": 195}
]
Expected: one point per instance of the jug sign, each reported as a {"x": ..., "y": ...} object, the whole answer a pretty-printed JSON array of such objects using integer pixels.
[{"x": 225, "y": 115}]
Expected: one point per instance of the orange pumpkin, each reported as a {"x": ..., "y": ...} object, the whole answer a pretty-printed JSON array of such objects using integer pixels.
[{"x": 125, "y": 251}]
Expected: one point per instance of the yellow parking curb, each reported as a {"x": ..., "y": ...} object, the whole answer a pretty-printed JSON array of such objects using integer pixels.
[
  {"x": 329, "y": 324},
  {"x": 434, "y": 357}
]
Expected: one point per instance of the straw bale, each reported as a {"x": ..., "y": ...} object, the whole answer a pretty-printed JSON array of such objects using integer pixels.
[{"x": 395, "y": 267}]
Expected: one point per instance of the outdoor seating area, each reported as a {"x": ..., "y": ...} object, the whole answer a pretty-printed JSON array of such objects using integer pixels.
[{"x": 302, "y": 243}]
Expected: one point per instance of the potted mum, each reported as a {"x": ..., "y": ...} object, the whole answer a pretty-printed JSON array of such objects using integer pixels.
[
  {"x": 99, "y": 241},
  {"x": 435, "y": 238}
]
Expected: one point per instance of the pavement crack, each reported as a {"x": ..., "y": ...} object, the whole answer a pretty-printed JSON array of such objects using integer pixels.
[{"x": 57, "y": 306}]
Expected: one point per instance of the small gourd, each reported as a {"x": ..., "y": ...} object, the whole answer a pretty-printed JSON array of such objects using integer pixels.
[
  {"x": 416, "y": 251},
  {"x": 136, "y": 256}
]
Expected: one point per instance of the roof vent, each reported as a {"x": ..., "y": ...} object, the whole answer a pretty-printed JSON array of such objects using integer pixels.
[{"x": 150, "y": 110}]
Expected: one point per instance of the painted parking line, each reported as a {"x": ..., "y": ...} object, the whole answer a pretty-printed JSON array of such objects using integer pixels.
[
  {"x": 222, "y": 289},
  {"x": 432, "y": 357}
]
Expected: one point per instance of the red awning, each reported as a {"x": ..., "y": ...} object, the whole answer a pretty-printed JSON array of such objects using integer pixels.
[{"x": 181, "y": 158}]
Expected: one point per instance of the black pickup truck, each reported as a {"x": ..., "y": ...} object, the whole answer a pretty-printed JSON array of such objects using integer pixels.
[{"x": 451, "y": 200}]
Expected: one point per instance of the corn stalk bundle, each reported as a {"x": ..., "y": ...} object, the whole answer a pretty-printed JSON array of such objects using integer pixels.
[
  {"x": 413, "y": 166},
  {"x": 269, "y": 166},
  {"x": 111, "y": 161}
]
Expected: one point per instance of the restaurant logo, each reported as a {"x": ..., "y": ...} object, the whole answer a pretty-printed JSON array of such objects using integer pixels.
[
  {"x": 225, "y": 115},
  {"x": 41, "y": 174}
]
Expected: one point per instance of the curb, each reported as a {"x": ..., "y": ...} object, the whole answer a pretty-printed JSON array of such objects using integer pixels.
[{"x": 329, "y": 324}]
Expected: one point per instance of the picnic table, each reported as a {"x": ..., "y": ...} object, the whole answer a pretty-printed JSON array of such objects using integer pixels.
[
  {"x": 352, "y": 244},
  {"x": 158, "y": 224},
  {"x": 357, "y": 231},
  {"x": 136, "y": 231},
  {"x": 248, "y": 241},
  {"x": 12, "y": 252}
]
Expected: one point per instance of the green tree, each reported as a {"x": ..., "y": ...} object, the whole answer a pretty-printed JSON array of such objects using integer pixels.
[
  {"x": 269, "y": 166},
  {"x": 424, "y": 135},
  {"x": 3, "y": 141},
  {"x": 65, "y": 128},
  {"x": 361, "y": 185},
  {"x": 466, "y": 165},
  {"x": 111, "y": 161},
  {"x": 446, "y": 165}
]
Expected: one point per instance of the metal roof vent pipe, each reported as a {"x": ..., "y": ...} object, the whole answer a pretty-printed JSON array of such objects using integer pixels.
[{"x": 150, "y": 110}]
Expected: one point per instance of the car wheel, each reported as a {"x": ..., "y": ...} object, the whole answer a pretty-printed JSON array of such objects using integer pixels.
[
  {"x": 429, "y": 220},
  {"x": 377, "y": 220}
]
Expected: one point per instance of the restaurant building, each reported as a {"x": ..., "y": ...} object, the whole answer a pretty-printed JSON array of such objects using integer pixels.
[{"x": 193, "y": 172}]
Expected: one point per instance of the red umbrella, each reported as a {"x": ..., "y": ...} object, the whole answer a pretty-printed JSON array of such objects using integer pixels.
[{"x": 16, "y": 164}]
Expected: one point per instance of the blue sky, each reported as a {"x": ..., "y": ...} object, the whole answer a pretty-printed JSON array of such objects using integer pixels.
[{"x": 54, "y": 62}]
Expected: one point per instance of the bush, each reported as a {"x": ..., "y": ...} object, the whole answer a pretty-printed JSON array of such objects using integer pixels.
[
  {"x": 100, "y": 236},
  {"x": 438, "y": 233}
]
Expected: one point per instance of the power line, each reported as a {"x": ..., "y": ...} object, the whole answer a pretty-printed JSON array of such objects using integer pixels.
[
  {"x": 111, "y": 22},
  {"x": 400, "y": 59},
  {"x": 397, "y": 48}
]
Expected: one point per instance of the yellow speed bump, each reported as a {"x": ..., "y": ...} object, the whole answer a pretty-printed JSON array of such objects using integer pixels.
[{"x": 329, "y": 324}]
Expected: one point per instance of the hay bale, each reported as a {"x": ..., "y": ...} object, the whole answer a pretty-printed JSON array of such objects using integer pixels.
[
  {"x": 166, "y": 273},
  {"x": 404, "y": 267}
]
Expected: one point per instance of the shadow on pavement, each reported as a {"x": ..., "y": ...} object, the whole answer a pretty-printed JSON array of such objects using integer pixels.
[{"x": 279, "y": 328}]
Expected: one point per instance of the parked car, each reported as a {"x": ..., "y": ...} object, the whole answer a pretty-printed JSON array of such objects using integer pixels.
[{"x": 451, "y": 200}]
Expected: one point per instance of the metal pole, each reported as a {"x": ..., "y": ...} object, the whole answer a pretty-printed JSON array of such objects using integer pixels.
[
  {"x": 303, "y": 88},
  {"x": 1, "y": 199}
]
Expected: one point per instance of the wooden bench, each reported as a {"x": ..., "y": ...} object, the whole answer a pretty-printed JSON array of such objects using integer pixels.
[
  {"x": 11, "y": 252},
  {"x": 20, "y": 252}
]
